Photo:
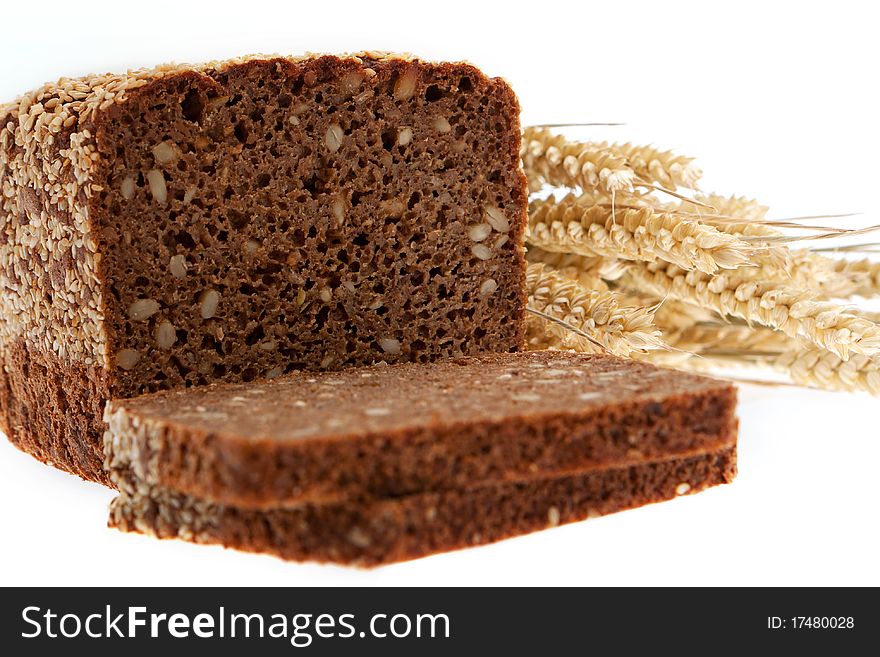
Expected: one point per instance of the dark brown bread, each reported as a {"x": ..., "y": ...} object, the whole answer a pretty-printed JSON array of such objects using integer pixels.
[
  {"x": 399, "y": 429},
  {"x": 390, "y": 530},
  {"x": 240, "y": 220}
]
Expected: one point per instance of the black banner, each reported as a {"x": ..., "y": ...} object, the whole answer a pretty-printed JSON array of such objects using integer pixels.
[{"x": 421, "y": 621}]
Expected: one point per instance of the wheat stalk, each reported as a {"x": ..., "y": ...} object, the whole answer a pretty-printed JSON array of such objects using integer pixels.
[
  {"x": 652, "y": 165},
  {"x": 620, "y": 329},
  {"x": 794, "y": 311},
  {"x": 642, "y": 234},
  {"x": 552, "y": 159}
]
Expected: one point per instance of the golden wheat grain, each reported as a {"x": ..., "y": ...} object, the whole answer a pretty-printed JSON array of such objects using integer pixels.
[
  {"x": 554, "y": 160},
  {"x": 794, "y": 311},
  {"x": 743, "y": 217},
  {"x": 652, "y": 165},
  {"x": 569, "y": 226},
  {"x": 637, "y": 198},
  {"x": 596, "y": 314}
]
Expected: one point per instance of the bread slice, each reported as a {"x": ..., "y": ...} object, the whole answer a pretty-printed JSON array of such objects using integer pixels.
[
  {"x": 182, "y": 225},
  {"x": 383, "y": 531},
  {"x": 401, "y": 429}
]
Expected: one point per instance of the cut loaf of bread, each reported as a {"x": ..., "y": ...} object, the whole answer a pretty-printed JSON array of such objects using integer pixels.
[{"x": 239, "y": 220}]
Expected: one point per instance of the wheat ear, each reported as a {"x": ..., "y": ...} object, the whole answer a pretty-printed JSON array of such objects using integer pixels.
[
  {"x": 862, "y": 276},
  {"x": 569, "y": 226},
  {"x": 743, "y": 217},
  {"x": 588, "y": 267},
  {"x": 709, "y": 342},
  {"x": 720, "y": 345},
  {"x": 732, "y": 214},
  {"x": 584, "y": 269},
  {"x": 792, "y": 310},
  {"x": 597, "y": 314},
  {"x": 652, "y": 165},
  {"x": 811, "y": 366},
  {"x": 719, "y": 338},
  {"x": 556, "y": 161}
]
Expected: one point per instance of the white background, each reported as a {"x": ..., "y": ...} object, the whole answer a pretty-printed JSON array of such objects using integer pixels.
[{"x": 777, "y": 100}]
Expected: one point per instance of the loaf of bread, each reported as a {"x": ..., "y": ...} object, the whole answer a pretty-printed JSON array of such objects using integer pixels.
[
  {"x": 374, "y": 532},
  {"x": 406, "y": 428},
  {"x": 240, "y": 220},
  {"x": 384, "y": 463}
]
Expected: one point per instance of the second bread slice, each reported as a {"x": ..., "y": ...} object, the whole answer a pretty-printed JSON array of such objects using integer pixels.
[{"x": 387, "y": 530}]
